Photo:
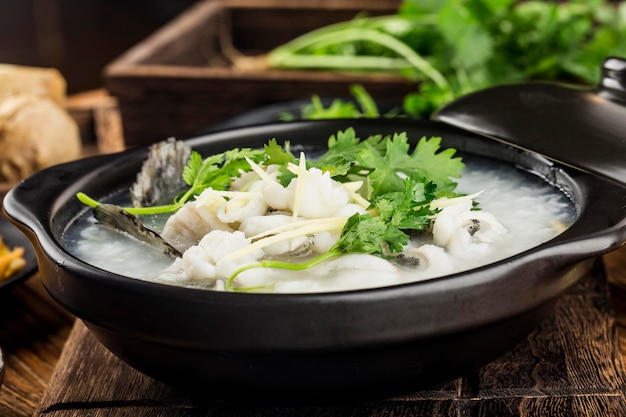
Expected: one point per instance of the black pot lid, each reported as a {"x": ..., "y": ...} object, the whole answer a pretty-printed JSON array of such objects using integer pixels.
[{"x": 582, "y": 128}]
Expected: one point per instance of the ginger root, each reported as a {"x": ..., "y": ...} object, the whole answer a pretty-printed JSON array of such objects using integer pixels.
[{"x": 35, "y": 129}]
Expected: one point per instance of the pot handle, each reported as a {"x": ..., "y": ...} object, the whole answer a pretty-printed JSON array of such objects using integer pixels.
[{"x": 613, "y": 83}]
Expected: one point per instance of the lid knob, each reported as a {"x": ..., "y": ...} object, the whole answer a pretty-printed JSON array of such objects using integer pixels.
[{"x": 613, "y": 82}]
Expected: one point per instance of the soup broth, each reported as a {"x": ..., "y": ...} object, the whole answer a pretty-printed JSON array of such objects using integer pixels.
[{"x": 530, "y": 210}]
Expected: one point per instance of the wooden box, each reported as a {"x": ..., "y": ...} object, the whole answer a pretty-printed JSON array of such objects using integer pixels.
[{"x": 181, "y": 79}]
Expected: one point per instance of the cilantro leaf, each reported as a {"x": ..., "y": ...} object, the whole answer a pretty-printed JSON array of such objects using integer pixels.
[
  {"x": 438, "y": 167},
  {"x": 425, "y": 161},
  {"x": 217, "y": 171},
  {"x": 338, "y": 109},
  {"x": 402, "y": 184},
  {"x": 464, "y": 25},
  {"x": 276, "y": 154},
  {"x": 233, "y": 164},
  {"x": 383, "y": 177},
  {"x": 397, "y": 211},
  {"x": 459, "y": 46},
  {"x": 366, "y": 234},
  {"x": 339, "y": 157},
  {"x": 198, "y": 168},
  {"x": 340, "y": 154},
  {"x": 410, "y": 209}
]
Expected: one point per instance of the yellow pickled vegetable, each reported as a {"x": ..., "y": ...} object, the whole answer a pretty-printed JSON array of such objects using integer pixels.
[{"x": 11, "y": 260}]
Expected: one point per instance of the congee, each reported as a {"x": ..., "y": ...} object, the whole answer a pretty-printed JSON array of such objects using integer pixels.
[{"x": 364, "y": 213}]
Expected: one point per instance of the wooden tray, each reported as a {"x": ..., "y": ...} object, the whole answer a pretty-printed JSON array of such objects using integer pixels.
[
  {"x": 570, "y": 366},
  {"x": 181, "y": 80}
]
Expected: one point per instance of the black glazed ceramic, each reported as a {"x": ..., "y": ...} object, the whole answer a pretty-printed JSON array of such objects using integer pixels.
[
  {"x": 314, "y": 348},
  {"x": 581, "y": 127},
  {"x": 1, "y": 366},
  {"x": 275, "y": 112}
]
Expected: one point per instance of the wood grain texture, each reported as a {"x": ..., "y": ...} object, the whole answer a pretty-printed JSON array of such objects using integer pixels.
[
  {"x": 33, "y": 331},
  {"x": 615, "y": 264},
  {"x": 571, "y": 365},
  {"x": 98, "y": 118},
  {"x": 181, "y": 80}
]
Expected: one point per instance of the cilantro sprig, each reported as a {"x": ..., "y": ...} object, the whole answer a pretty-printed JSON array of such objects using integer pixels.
[
  {"x": 399, "y": 203},
  {"x": 449, "y": 48},
  {"x": 381, "y": 162},
  {"x": 377, "y": 160},
  {"x": 216, "y": 171},
  {"x": 362, "y": 233},
  {"x": 399, "y": 180}
]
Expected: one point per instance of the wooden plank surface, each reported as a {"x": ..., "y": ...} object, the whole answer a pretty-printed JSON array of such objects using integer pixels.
[
  {"x": 33, "y": 331},
  {"x": 181, "y": 80},
  {"x": 615, "y": 265},
  {"x": 571, "y": 365}
]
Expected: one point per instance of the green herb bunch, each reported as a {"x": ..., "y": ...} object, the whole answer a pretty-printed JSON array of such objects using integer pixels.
[
  {"x": 399, "y": 180},
  {"x": 452, "y": 47}
]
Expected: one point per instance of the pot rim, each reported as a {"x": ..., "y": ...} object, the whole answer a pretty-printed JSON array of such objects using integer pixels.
[{"x": 336, "y": 319}]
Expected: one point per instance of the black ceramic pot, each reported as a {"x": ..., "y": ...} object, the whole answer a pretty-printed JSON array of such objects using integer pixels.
[
  {"x": 1, "y": 366},
  {"x": 315, "y": 348}
]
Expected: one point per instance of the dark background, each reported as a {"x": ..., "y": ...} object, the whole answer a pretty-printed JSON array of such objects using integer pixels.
[{"x": 78, "y": 37}]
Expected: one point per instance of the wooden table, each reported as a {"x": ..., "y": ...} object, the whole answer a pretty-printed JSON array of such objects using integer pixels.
[{"x": 34, "y": 331}]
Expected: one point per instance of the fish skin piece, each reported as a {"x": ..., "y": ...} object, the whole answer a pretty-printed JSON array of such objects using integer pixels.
[
  {"x": 161, "y": 175},
  {"x": 115, "y": 217}
]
